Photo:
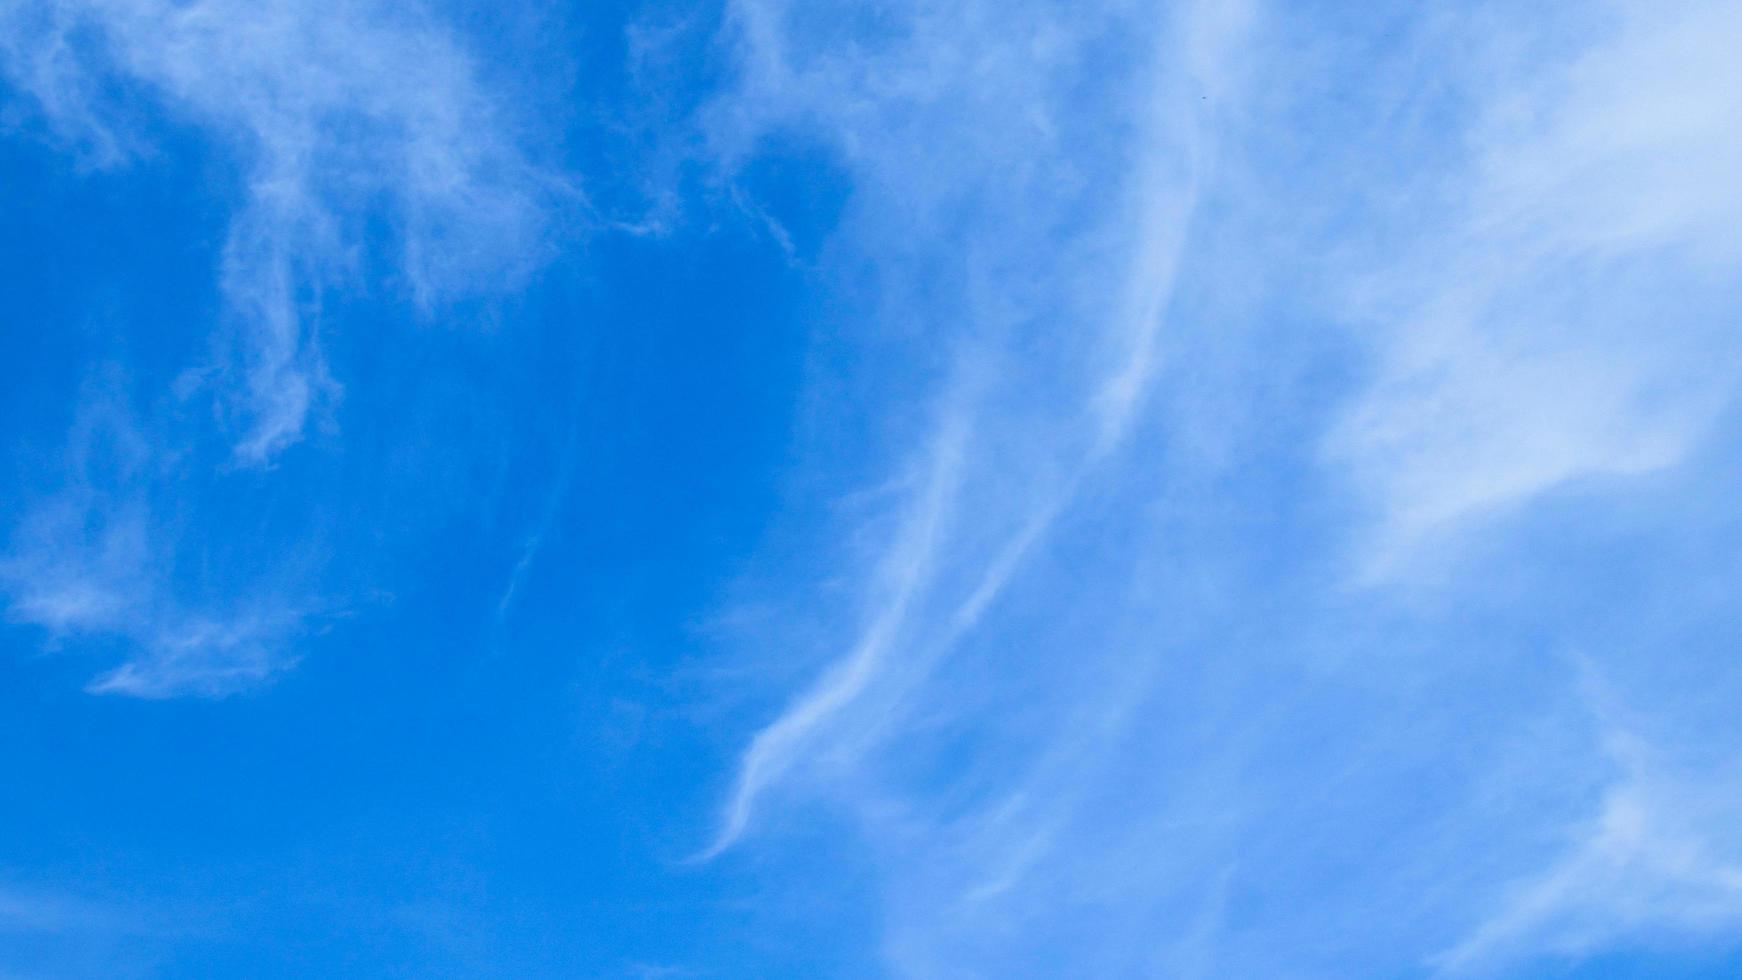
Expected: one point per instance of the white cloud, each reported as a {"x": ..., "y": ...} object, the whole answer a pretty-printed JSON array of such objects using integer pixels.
[
  {"x": 1056, "y": 233},
  {"x": 1084, "y": 730},
  {"x": 101, "y": 556},
  {"x": 333, "y": 108},
  {"x": 1659, "y": 860},
  {"x": 342, "y": 117},
  {"x": 1560, "y": 312}
]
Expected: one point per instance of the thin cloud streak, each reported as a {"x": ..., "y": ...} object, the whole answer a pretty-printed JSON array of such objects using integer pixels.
[
  {"x": 908, "y": 634},
  {"x": 1651, "y": 860},
  {"x": 906, "y": 570}
]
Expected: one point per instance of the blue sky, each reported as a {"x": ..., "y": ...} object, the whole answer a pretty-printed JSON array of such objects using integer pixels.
[{"x": 763, "y": 489}]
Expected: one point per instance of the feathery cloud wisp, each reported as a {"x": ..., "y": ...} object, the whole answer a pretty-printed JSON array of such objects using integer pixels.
[
  {"x": 342, "y": 119},
  {"x": 332, "y": 109},
  {"x": 1515, "y": 362},
  {"x": 1013, "y": 434}
]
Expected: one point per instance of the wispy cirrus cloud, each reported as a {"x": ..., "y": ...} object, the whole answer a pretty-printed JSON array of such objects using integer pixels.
[
  {"x": 1658, "y": 860},
  {"x": 107, "y": 554},
  {"x": 1514, "y": 352},
  {"x": 1304, "y": 293},
  {"x": 338, "y": 112},
  {"x": 47, "y": 931},
  {"x": 370, "y": 157},
  {"x": 1055, "y": 239}
]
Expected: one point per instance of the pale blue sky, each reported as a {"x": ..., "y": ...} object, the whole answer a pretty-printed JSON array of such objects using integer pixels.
[{"x": 843, "y": 489}]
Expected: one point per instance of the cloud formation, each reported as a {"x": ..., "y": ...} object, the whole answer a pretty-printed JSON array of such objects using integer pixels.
[
  {"x": 369, "y": 157},
  {"x": 1514, "y": 360},
  {"x": 337, "y": 112},
  {"x": 1657, "y": 860},
  {"x": 106, "y": 554},
  {"x": 1055, "y": 236},
  {"x": 1263, "y": 500},
  {"x": 1221, "y": 481}
]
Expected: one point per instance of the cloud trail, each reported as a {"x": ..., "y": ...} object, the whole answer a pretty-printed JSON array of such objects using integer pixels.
[{"x": 1111, "y": 286}]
